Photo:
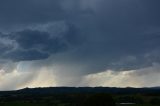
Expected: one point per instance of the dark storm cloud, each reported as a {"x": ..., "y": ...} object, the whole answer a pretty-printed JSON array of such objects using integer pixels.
[
  {"x": 119, "y": 34},
  {"x": 22, "y": 12},
  {"x": 20, "y": 55},
  {"x": 29, "y": 39},
  {"x": 36, "y": 44},
  {"x": 30, "y": 11}
]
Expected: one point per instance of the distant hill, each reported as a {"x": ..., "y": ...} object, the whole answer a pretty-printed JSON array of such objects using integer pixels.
[{"x": 67, "y": 90}]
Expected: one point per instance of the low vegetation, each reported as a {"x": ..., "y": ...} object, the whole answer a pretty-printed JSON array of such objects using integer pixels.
[{"x": 39, "y": 98}]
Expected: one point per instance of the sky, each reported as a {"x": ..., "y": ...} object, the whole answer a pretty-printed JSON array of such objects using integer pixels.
[{"x": 49, "y": 43}]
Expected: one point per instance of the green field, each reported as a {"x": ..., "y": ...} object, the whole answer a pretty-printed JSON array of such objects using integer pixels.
[
  {"x": 36, "y": 104},
  {"x": 59, "y": 104},
  {"x": 30, "y": 104},
  {"x": 80, "y": 100},
  {"x": 138, "y": 105}
]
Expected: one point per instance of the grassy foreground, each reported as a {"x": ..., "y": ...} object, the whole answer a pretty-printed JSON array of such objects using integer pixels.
[{"x": 38, "y": 104}]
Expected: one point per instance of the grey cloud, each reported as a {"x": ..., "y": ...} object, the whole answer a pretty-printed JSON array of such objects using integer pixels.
[
  {"x": 83, "y": 36},
  {"x": 21, "y": 11},
  {"x": 20, "y": 55},
  {"x": 34, "y": 44}
]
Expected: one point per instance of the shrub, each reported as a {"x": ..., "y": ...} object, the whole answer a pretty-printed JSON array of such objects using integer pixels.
[{"x": 99, "y": 100}]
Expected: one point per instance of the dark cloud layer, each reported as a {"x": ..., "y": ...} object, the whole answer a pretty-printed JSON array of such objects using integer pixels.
[
  {"x": 34, "y": 44},
  {"x": 96, "y": 34},
  {"x": 30, "y": 11}
]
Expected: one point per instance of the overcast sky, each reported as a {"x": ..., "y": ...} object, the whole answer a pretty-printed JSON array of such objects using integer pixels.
[{"x": 113, "y": 43}]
